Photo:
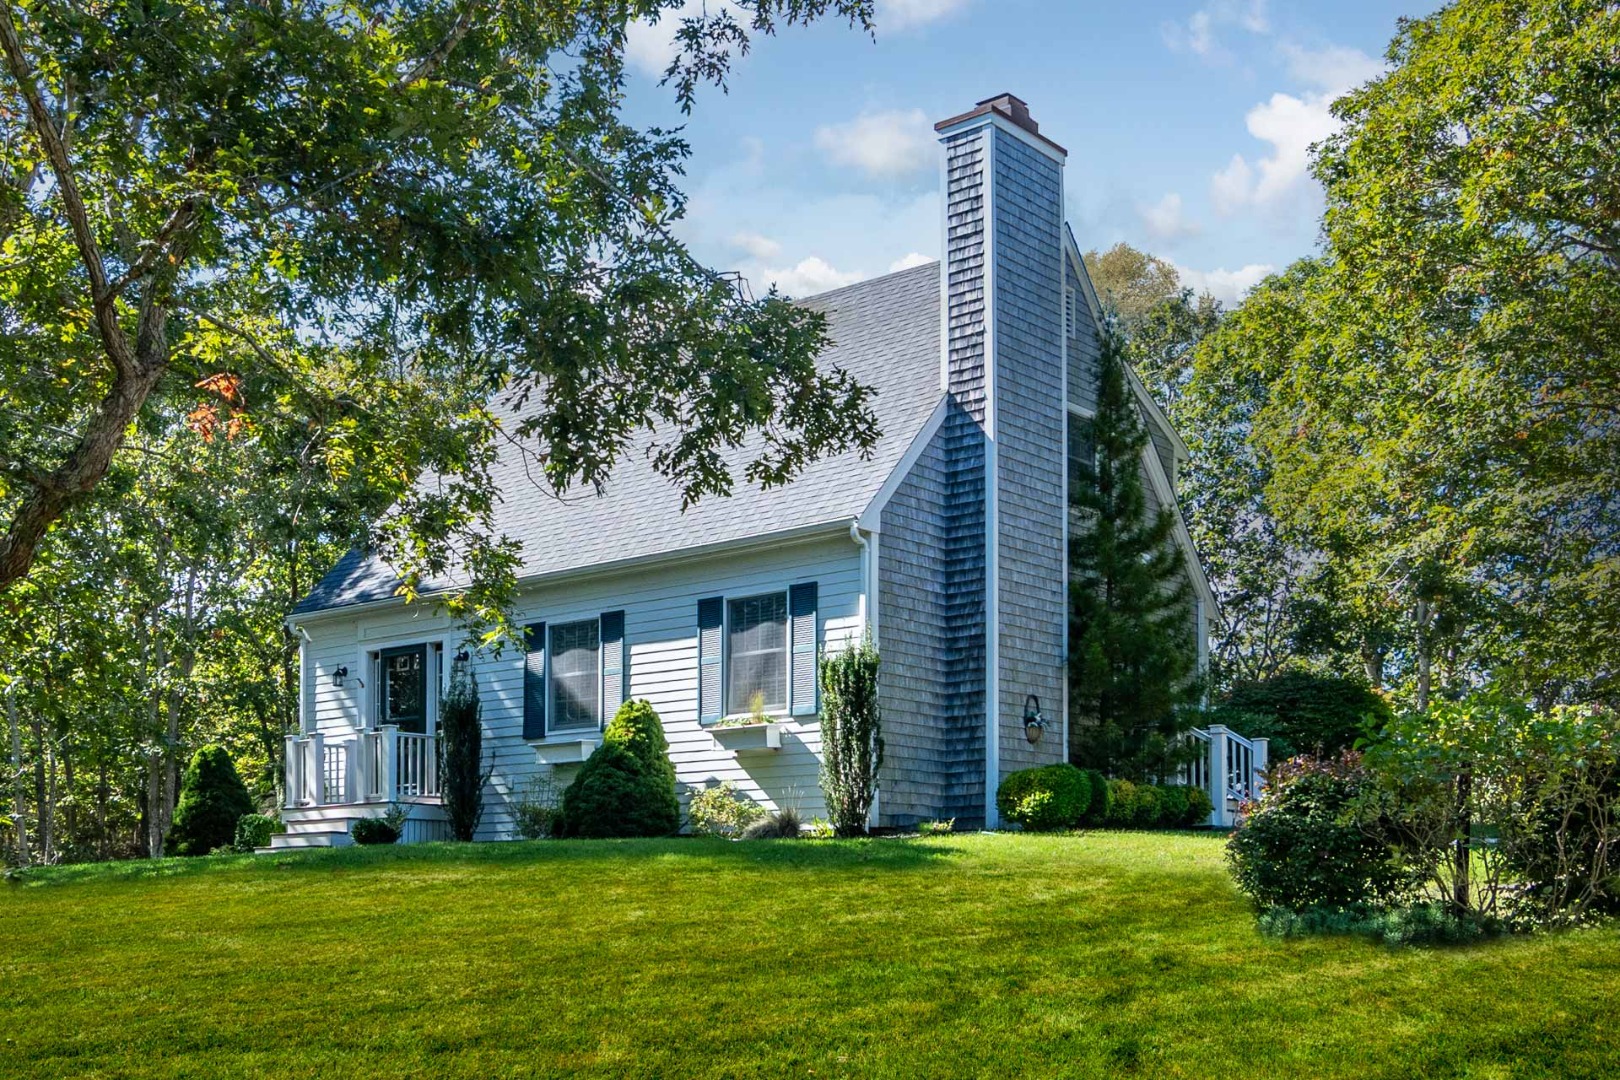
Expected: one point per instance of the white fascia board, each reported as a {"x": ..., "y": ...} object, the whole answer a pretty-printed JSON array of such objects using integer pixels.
[
  {"x": 1001, "y": 123},
  {"x": 835, "y": 527},
  {"x": 1167, "y": 497},
  {"x": 871, "y": 518}
]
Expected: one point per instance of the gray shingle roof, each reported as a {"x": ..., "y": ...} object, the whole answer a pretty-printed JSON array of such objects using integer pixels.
[{"x": 885, "y": 332}]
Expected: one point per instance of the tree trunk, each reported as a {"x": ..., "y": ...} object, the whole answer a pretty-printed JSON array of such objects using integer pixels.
[
  {"x": 1424, "y": 616},
  {"x": 19, "y": 785},
  {"x": 1461, "y": 895}
]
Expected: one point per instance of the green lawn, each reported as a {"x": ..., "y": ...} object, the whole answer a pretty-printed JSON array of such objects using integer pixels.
[{"x": 1098, "y": 954}]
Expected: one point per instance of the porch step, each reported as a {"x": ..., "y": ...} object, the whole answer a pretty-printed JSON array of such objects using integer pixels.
[{"x": 309, "y": 838}]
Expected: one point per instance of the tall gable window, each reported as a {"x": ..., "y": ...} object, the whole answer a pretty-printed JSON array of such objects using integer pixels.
[
  {"x": 576, "y": 699},
  {"x": 757, "y": 653},
  {"x": 1082, "y": 451}
]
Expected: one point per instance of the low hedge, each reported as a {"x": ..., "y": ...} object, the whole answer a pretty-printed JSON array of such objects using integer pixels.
[{"x": 1044, "y": 798}]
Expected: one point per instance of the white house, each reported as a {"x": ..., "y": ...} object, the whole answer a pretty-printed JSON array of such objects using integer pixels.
[{"x": 949, "y": 544}]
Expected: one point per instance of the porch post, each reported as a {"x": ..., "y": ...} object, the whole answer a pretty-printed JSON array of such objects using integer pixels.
[
  {"x": 1262, "y": 759},
  {"x": 389, "y": 788},
  {"x": 290, "y": 770},
  {"x": 354, "y": 766},
  {"x": 1219, "y": 780},
  {"x": 317, "y": 755}
]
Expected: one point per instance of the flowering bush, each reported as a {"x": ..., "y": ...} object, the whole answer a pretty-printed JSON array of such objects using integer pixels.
[{"x": 722, "y": 811}]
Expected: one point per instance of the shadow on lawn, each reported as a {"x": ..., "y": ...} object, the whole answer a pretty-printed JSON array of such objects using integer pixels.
[{"x": 867, "y": 854}]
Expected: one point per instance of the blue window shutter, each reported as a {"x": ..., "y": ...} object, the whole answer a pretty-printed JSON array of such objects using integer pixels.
[
  {"x": 615, "y": 684},
  {"x": 534, "y": 681},
  {"x": 711, "y": 635},
  {"x": 802, "y": 617}
]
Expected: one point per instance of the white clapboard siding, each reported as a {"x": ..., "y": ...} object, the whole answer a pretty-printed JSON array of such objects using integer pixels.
[{"x": 660, "y": 606}]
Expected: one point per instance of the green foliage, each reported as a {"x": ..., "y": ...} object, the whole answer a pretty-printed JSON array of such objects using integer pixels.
[
  {"x": 1133, "y": 650},
  {"x": 1101, "y": 806},
  {"x": 851, "y": 736},
  {"x": 722, "y": 810},
  {"x": 627, "y": 786},
  {"x": 783, "y": 824},
  {"x": 1304, "y": 713},
  {"x": 936, "y": 828},
  {"x": 1121, "y": 804},
  {"x": 212, "y": 800},
  {"x": 1146, "y": 806},
  {"x": 1304, "y": 847},
  {"x": 1199, "y": 807},
  {"x": 1161, "y": 321},
  {"x": 1429, "y": 406},
  {"x": 1173, "y": 806},
  {"x": 536, "y": 811},
  {"x": 1045, "y": 797},
  {"x": 461, "y": 750},
  {"x": 1543, "y": 786},
  {"x": 254, "y": 831},
  {"x": 374, "y": 830}
]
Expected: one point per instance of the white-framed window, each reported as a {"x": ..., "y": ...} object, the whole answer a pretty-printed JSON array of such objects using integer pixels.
[
  {"x": 757, "y": 653},
  {"x": 1082, "y": 450},
  {"x": 575, "y": 654}
]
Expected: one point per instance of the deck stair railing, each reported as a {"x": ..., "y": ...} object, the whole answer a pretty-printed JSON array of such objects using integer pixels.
[{"x": 1230, "y": 768}]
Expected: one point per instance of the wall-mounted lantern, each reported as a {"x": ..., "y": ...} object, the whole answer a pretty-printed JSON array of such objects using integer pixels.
[
  {"x": 339, "y": 675},
  {"x": 1034, "y": 722}
]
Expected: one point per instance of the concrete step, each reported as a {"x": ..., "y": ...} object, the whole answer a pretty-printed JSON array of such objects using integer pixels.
[{"x": 289, "y": 841}]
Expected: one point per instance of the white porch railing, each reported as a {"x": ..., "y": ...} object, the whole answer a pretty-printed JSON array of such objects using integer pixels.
[
  {"x": 382, "y": 766},
  {"x": 1231, "y": 769}
]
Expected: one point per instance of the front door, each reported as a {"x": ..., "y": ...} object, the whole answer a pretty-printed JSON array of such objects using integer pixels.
[{"x": 404, "y": 688}]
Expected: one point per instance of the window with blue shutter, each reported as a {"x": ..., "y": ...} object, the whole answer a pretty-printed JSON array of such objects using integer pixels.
[
  {"x": 802, "y": 613},
  {"x": 615, "y": 679},
  {"x": 534, "y": 681},
  {"x": 711, "y": 643}
]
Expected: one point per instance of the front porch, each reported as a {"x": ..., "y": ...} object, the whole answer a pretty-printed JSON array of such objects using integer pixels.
[{"x": 334, "y": 782}]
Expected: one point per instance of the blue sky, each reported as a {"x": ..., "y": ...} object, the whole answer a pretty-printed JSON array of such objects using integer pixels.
[{"x": 1186, "y": 122}]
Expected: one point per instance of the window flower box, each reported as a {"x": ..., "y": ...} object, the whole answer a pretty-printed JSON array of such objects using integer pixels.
[
  {"x": 564, "y": 751},
  {"x": 746, "y": 738}
]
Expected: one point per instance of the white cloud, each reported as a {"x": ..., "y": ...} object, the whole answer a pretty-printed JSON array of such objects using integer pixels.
[
  {"x": 1332, "y": 69},
  {"x": 1200, "y": 33},
  {"x": 904, "y": 14},
  {"x": 1165, "y": 220},
  {"x": 889, "y": 144},
  {"x": 808, "y": 277},
  {"x": 1291, "y": 124},
  {"x": 906, "y": 262},
  {"x": 752, "y": 243},
  {"x": 1227, "y": 286}
]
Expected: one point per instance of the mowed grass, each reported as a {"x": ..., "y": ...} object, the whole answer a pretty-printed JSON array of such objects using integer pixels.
[{"x": 1100, "y": 954}]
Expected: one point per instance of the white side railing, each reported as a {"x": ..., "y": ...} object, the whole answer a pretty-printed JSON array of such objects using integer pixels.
[
  {"x": 1230, "y": 768},
  {"x": 381, "y": 766}
]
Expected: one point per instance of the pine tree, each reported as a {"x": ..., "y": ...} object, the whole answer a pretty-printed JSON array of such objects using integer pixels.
[{"x": 1133, "y": 651}]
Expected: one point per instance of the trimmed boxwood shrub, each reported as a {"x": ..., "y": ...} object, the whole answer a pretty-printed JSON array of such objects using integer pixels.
[
  {"x": 1045, "y": 797},
  {"x": 1172, "y": 806},
  {"x": 1121, "y": 804},
  {"x": 1301, "y": 847},
  {"x": 627, "y": 786},
  {"x": 212, "y": 800},
  {"x": 1102, "y": 799},
  {"x": 1147, "y": 807},
  {"x": 254, "y": 831},
  {"x": 1199, "y": 806},
  {"x": 371, "y": 830}
]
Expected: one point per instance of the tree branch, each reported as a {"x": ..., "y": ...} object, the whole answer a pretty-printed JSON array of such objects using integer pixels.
[
  {"x": 425, "y": 67},
  {"x": 153, "y": 249},
  {"x": 104, "y": 301}
]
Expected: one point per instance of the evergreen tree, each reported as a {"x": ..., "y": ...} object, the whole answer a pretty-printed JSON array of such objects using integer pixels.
[
  {"x": 212, "y": 799},
  {"x": 461, "y": 742},
  {"x": 1133, "y": 652}
]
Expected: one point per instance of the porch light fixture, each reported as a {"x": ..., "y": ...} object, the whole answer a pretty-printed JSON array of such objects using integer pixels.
[
  {"x": 339, "y": 675},
  {"x": 1034, "y": 722}
]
